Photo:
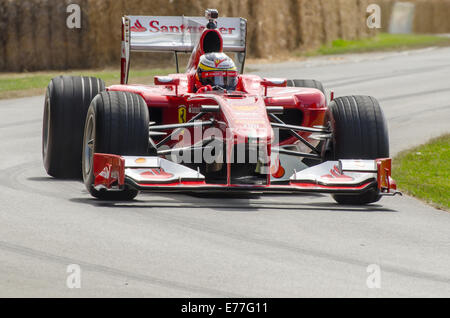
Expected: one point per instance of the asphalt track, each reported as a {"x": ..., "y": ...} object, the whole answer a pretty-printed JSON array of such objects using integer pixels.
[{"x": 283, "y": 246}]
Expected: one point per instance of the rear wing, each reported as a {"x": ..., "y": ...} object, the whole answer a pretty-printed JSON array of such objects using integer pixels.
[{"x": 177, "y": 34}]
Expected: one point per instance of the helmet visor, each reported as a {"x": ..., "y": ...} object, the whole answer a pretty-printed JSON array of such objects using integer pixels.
[{"x": 224, "y": 79}]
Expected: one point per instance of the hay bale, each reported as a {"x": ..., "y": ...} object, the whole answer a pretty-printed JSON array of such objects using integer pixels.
[
  {"x": 431, "y": 16},
  {"x": 89, "y": 33},
  {"x": 310, "y": 24},
  {"x": 41, "y": 41},
  {"x": 330, "y": 18},
  {"x": 155, "y": 7},
  {"x": 26, "y": 35},
  {"x": 386, "y": 11},
  {"x": 283, "y": 31},
  {"x": 348, "y": 11},
  {"x": 114, "y": 34},
  {"x": 423, "y": 20},
  {"x": 98, "y": 31},
  {"x": 261, "y": 29},
  {"x": 441, "y": 14},
  {"x": 46, "y": 43},
  {"x": 13, "y": 25},
  {"x": 187, "y": 7},
  {"x": 85, "y": 46},
  {"x": 255, "y": 33},
  {"x": 362, "y": 30},
  {"x": 57, "y": 34},
  {"x": 236, "y": 8},
  {"x": 3, "y": 35},
  {"x": 283, "y": 24},
  {"x": 73, "y": 39}
]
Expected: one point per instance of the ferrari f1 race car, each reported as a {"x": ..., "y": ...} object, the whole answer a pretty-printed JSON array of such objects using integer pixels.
[{"x": 212, "y": 128}]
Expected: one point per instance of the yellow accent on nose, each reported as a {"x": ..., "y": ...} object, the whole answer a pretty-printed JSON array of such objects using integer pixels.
[{"x": 140, "y": 160}]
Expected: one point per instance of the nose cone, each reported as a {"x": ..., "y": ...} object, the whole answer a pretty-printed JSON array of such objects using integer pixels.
[{"x": 247, "y": 119}]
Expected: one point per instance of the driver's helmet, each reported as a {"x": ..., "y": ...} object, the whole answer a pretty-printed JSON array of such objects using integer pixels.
[{"x": 217, "y": 70}]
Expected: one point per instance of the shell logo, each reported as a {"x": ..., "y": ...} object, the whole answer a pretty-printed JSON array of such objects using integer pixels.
[{"x": 140, "y": 160}]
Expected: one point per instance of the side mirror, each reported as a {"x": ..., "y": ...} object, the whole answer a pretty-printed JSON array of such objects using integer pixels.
[
  {"x": 273, "y": 82},
  {"x": 168, "y": 81}
]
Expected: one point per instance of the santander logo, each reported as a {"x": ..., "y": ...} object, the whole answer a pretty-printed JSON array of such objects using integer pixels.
[
  {"x": 106, "y": 172},
  {"x": 156, "y": 26},
  {"x": 336, "y": 174},
  {"x": 156, "y": 173},
  {"x": 138, "y": 27}
]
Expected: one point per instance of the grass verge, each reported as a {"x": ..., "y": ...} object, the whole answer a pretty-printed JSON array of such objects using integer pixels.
[
  {"x": 13, "y": 85},
  {"x": 381, "y": 42},
  {"x": 424, "y": 172}
]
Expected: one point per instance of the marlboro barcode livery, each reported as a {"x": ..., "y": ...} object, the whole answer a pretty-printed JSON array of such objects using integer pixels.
[{"x": 212, "y": 128}]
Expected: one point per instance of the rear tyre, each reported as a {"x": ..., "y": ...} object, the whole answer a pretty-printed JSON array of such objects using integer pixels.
[
  {"x": 116, "y": 123},
  {"x": 359, "y": 132},
  {"x": 309, "y": 83},
  {"x": 66, "y": 103}
]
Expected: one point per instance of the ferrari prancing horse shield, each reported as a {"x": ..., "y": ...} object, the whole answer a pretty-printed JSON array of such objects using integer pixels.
[{"x": 181, "y": 114}]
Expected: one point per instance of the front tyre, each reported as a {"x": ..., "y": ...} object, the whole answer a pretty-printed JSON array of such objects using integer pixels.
[
  {"x": 359, "y": 132},
  {"x": 116, "y": 123}
]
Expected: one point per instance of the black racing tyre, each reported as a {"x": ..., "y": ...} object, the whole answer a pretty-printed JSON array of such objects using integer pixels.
[
  {"x": 116, "y": 123},
  {"x": 359, "y": 132},
  {"x": 66, "y": 103},
  {"x": 309, "y": 83}
]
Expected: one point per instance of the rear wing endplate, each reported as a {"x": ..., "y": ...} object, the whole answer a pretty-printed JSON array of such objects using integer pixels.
[{"x": 176, "y": 34}]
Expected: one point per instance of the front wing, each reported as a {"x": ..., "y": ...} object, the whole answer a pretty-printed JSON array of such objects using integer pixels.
[{"x": 156, "y": 174}]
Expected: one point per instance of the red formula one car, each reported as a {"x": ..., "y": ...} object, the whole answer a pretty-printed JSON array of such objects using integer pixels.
[{"x": 212, "y": 128}]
